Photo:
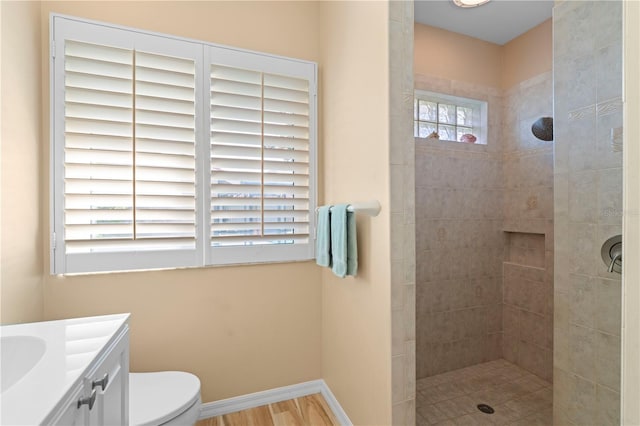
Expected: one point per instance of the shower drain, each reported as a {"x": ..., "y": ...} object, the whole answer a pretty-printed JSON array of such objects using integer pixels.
[{"x": 486, "y": 409}]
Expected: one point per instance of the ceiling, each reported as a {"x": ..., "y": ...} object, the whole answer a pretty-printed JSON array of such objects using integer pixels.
[{"x": 498, "y": 21}]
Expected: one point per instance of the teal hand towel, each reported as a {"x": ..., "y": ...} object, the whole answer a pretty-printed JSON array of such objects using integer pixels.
[
  {"x": 344, "y": 250},
  {"x": 339, "y": 239},
  {"x": 323, "y": 237},
  {"x": 352, "y": 244}
]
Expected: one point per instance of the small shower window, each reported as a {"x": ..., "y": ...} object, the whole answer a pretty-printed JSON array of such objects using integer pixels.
[{"x": 449, "y": 118}]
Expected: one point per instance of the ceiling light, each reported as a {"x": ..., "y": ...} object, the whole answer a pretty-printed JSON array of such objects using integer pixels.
[{"x": 469, "y": 3}]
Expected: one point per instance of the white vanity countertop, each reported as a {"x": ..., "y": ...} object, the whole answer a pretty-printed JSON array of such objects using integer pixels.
[{"x": 71, "y": 346}]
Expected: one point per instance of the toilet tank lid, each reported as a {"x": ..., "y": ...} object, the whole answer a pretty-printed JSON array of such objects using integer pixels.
[{"x": 156, "y": 398}]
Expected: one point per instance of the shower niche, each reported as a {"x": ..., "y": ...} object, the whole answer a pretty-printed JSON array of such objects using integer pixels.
[{"x": 526, "y": 249}]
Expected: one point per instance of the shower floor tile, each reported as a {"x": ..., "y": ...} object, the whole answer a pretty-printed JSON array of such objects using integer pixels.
[{"x": 518, "y": 397}]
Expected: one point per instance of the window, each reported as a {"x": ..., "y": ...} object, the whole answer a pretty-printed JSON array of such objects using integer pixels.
[
  {"x": 170, "y": 153},
  {"x": 449, "y": 118}
]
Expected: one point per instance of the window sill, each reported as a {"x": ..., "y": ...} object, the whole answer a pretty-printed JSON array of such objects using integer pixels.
[
  {"x": 186, "y": 268},
  {"x": 437, "y": 141}
]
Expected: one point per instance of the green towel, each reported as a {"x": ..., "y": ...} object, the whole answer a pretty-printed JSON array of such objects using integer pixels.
[
  {"x": 352, "y": 245},
  {"x": 344, "y": 248},
  {"x": 323, "y": 237}
]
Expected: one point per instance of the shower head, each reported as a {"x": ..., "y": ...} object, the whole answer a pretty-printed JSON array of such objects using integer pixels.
[{"x": 543, "y": 128}]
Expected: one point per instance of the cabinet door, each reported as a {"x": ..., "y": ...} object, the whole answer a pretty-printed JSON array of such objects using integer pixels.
[
  {"x": 111, "y": 381},
  {"x": 112, "y": 404},
  {"x": 72, "y": 415}
]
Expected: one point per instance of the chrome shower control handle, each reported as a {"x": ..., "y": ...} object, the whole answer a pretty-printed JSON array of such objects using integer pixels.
[
  {"x": 90, "y": 400},
  {"x": 612, "y": 254},
  {"x": 613, "y": 261},
  {"x": 615, "y": 256},
  {"x": 102, "y": 382}
]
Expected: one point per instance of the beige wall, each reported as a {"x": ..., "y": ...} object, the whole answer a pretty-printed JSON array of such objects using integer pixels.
[
  {"x": 282, "y": 28},
  {"x": 356, "y": 335},
  {"x": 444, "y": 54},
  {"x": 528, "y": 55},
  {"x": 23, "y": 200},
  {"x": 240, "y": 329},
  {"x": 438, "y": 53}
]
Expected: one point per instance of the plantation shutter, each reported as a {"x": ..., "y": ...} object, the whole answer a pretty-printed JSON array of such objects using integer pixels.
[
  {"x": 129, "y": 135},
  {"x": 260, "y": 160},
  {"x": 172, "y": 153}
]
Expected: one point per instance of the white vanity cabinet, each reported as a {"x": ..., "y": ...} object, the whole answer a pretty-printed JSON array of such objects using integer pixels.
[
  {"x": 104, "y": 392},
  {"x": 110, "y": 380},
  {"x": 77, "y": 373},
  {"x": 71, "y": 415}
]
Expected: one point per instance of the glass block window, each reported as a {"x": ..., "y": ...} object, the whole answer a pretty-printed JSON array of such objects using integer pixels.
[{"x": 449, "y": 118}]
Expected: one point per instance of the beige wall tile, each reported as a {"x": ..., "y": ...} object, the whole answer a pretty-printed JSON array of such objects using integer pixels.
[
  {"x": 404, "y": 413},
  {"x": 582, "y": 300},
  {"x": 582, "y": 400},
  {"x": 608, "y": 406},
  {"x": 532, "y": 328},
  {"x": 583, "y": 200},
  {"x": 607, "y": 360},
  {"x": 607, "y": 312},
  {"x": 494, "y": 347},
  {"x": 610, "y": 196},
  {"x": 561, "y": 331},
  {"x": 582, "y": 347},
  {"x": 511, "y": 348},
  {"x": 462, "y": 198},
  {"x": 403, "y": 217},
  {"x": 606, "y": 156},
  {"x": 582, "y": 246},
  {"x": 587, "y": 206},
  {"x": 535, "y": 359}
]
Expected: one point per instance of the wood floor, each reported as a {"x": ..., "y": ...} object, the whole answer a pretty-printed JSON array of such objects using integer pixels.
[{"x": 311, "y": 410}]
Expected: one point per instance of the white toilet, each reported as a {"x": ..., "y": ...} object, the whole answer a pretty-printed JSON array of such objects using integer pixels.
[{"x": 164, "y": 398}]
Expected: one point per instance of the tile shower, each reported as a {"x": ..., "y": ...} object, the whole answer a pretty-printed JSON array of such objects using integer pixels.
[
  {"x": 484, "y": 246},
  {"x": 511, "y": 277},
  {"x": 487, "y": 290}
]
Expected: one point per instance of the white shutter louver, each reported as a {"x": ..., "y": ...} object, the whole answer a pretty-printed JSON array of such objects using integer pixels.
[
  {"x": 129, "y": 150},
  {"x": 98, "y": 145},
  {"x": 259, "y": 158},
  {"x": 165, "y": 149}
]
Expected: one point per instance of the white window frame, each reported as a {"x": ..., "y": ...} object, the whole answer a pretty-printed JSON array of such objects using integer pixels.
[
  {"x": 204, "y": 254},
  {"x": 479, "y": 107}
]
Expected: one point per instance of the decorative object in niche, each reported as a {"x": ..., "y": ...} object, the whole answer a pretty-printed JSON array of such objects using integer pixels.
[
  {"x": 433, "y": 135},
  {"x": 469, "y": 3},
  {"x": 468, "y": 138}
]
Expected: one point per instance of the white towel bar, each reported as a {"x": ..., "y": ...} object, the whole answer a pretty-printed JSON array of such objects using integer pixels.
[{"x": 371, "y": 208}]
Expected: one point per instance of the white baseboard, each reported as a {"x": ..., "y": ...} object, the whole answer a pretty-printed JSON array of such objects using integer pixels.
[
  {"x": 252, "y": 400},
  {"x": 335, "y": 406}
]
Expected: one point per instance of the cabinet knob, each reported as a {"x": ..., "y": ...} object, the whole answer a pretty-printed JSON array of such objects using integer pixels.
[
  {"x": 102, "y": 382},
  {"x": 90, "y": 400}
]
